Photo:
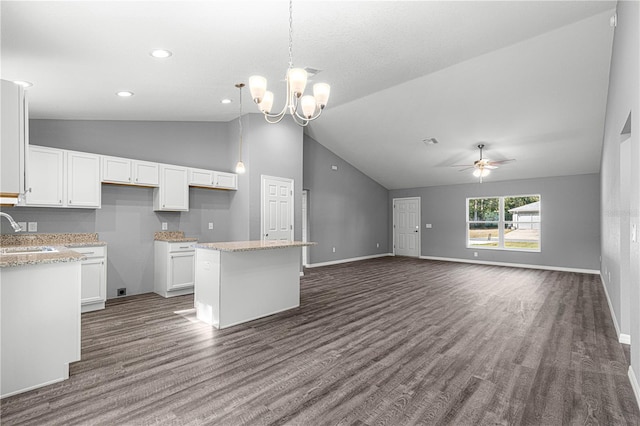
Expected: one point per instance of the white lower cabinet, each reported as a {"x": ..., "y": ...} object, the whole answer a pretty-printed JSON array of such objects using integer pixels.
[
  {"x": 174, "y": 269},
  {"x": 94, "y": 278}
]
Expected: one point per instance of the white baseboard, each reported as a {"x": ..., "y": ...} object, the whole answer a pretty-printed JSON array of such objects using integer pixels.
[
  {"x": 622, "y": 337},
  {"x": 634, "y": 385},
  {"x": 353, "y": 259},
  {"x": 514, "y": 265}
]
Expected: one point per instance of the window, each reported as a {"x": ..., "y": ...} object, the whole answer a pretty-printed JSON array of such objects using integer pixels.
[{"x": 507, "y": 223}]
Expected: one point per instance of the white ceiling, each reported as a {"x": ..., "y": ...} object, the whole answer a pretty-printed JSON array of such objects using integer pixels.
[{"x": 527, "y": 78}]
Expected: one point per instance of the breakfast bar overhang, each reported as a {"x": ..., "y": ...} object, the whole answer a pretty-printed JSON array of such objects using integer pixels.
[{"x": 237, "y": 282}]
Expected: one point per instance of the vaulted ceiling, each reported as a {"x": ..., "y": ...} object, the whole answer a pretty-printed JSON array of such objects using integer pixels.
[{"x": 528, "y": 79}]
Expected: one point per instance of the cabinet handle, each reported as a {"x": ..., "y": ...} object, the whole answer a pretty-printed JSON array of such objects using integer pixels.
[
  {"x": 89, "y": 252},
  {"x": 136, "y": 179},
  {"x": 102, "y": 263},
  {"x": 129, "y": 179},
  {"x": 184, "y": 247},
  {"x": 69, "y": 201},
  {"x": 60, "y": 201}
]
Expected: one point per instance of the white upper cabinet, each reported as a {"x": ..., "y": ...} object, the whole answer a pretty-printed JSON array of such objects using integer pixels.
[
  {"x": 45, "y": 177},
  {"x": 12, "y": 145},
  {"x": 225, "y": 180},
  {"x": 116, "y": 170},
  {"x": 83, "y": 180},
  {"x": 201, "y": 177},
  {"x": 129, "y": 172},
  {"x": 212, "y": 179},
  {"x": 145, "y": 173},
  {"x": 60, "y": 178},
  {"x": 173, "y": 191}
]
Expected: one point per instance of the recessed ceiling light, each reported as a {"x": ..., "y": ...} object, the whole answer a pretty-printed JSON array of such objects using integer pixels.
[
  {"x": 124, "y": 94},
  {"x": 24, "y": 84},
  {"x": 225, "y": 101},
  {"x": 160, "y": 53}
]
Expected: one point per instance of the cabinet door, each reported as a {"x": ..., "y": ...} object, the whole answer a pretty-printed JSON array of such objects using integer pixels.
[
  {"x": 225, "y": 180},
  {"x": 94, "y": 277},
  {"x": 181, "y": 271},
  {"x": 145, "y": 173},
  {"x": 83, "y": 179},
  {"x": 116, "y": 170},
  {"x": 173, "y": 193},
  {"x": 12, "y": 141},
  {"x": 200, "y": 177},
  {"x": 45, "y": 176}
]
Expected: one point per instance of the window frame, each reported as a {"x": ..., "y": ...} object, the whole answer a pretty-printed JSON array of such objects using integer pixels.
[{"x": 501, "y": 223}]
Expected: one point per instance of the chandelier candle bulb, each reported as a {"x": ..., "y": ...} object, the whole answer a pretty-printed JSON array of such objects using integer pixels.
[
  {"x": 308, "y": 104},
  {"x": 267, "y": 102},
  {"x": 297, "y": 81},
  {"x": 321, "y": 93}
]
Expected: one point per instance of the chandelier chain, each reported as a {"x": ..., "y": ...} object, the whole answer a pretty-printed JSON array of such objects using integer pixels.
[{"x": 290, "y": 34}]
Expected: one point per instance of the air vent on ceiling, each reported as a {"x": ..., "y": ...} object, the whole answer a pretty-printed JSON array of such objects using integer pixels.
[
  {"x": 311, "y": 71},
  {"x": 430, "y": 141}
]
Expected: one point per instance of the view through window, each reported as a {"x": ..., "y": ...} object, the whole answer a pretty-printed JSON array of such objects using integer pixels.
[{"x": 508, "y": 222}]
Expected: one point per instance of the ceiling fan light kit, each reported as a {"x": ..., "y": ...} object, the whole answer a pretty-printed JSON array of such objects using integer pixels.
[
  {"x": 482, "y": 167},
  {"x": 303, "y": 109}
]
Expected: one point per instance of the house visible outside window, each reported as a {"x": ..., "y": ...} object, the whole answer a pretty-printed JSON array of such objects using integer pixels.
[{"x": 505, "y": 223}]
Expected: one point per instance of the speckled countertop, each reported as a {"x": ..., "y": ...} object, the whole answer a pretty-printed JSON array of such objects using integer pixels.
[
  {"x": 251, "y": 245},
  {"x": 61, "y": 243},
  {"x": 172, "y": 237}
]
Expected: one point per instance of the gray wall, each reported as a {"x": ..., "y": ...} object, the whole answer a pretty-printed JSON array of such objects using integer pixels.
[
  {"x": 617, "y": 219},
  {"x": 347, "y": 209},
  {"x": 127, "y": 221},
  {"x": 570, "y": 235}
]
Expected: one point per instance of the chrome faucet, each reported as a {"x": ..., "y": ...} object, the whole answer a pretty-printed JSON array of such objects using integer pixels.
[{"x": 13, "y": 223}]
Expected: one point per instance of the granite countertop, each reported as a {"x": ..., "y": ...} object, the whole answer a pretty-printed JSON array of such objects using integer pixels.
[
  {"x": 63, "y": 245},
  {"x": 59, "y": 254},
  {"x": 173, "y": 237},
  {"x": 251, "y": 245}
]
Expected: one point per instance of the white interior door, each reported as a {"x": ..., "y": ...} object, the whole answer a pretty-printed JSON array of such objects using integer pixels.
[
  {"x": 277, "y": 208},
  {"x": 406, "y": 226}
]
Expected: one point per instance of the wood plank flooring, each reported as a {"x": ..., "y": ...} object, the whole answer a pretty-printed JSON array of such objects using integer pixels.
[{"x": 389, "y": 341}]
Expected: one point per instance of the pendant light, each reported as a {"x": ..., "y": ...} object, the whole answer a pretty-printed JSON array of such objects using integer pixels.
[
  {"x": 240, "y": 169},
  {"x": 303, "y": 109}
]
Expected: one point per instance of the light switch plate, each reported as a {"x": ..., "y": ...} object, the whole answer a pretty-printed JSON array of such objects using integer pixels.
[
  {"x": 210, "y": 225},
  {"x": 164, "y": 226},
  {"x": 23, "y": 226},
  {"x": 33, "y": 226},
  {"x": 429, "y": 226}
]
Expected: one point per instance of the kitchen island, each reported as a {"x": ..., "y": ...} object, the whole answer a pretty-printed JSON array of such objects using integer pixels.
[{"x": 240, "y": 281}]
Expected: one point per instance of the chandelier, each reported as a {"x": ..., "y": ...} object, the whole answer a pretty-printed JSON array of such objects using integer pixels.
[
  {"x": 303, "y": 109},
  {"x": 240, "y": 169}
]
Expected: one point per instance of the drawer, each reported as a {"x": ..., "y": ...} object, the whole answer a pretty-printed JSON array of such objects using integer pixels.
[
  {"x": 178, "y": 247},
  {"x": 97, "y": 251}
]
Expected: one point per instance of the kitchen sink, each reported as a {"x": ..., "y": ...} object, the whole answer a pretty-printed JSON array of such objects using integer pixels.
[{"x": 27, "y": 250}]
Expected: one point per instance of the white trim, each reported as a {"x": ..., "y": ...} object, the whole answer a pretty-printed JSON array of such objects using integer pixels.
[
  {"x": 514, "y": 265},
  {"x": 622, "y": 337},
  {"x": 353, "y": 259},
  {"x": 634, "y": 385}
]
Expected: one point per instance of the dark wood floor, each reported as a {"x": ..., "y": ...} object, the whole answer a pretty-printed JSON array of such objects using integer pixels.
[{"x": 386, "y": 341}]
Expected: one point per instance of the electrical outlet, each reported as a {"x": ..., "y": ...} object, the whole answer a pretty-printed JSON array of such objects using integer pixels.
[
  {"x": 164, "y": 226},
  {"x": 475, "y": 254},
  {"x": 23, "y": 226},
  {"x": 334, "y": 249},
  {"x": 122, "y": 291},
  {"x": 429, "y": 226},
  {"x": 210, "y": 225},
  {"x": 33, "y": 226}
]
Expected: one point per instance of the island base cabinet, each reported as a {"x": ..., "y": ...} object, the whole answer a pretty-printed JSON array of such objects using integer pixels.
[
  {"x": 40, "y": 314},
  {"x": 236, "y": 287}
]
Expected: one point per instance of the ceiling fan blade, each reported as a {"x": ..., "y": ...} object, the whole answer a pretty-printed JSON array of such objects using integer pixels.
[
  {"x": 492, "y": 163},
  {"x": 465, "y": 168},
  {"x": 461, "y": 165}
]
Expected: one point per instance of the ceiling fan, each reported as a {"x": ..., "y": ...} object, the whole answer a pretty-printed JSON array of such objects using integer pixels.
[{"x": 483, "y": 166}]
